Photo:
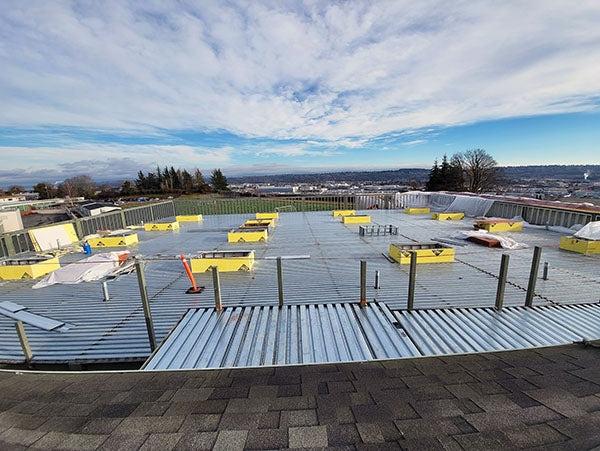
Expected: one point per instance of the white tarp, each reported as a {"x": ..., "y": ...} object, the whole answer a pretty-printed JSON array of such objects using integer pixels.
[
  {"x": 472, "y": 206},
  {"x": 89, "y": 269},
  {"x": 505, "y": 242},
  {"x": 590, "y": 231}
]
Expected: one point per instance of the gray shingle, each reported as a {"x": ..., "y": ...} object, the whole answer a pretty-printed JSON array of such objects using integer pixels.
[{"x": 308, "y": 437}]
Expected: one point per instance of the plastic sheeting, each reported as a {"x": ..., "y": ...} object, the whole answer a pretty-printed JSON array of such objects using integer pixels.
[
  {"x": 89, "y": 269},
  {"x": 505, "y": 242},
  {"x": 590, "y": 231},
  {"x": 470, "y": 205},
  {"x": 457, "y": 203}
]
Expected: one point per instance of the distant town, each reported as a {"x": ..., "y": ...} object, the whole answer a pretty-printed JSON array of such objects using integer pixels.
[{"x": 80, "y": 196}]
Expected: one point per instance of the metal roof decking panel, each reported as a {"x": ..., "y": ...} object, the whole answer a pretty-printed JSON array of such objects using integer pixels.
[
  {"x": 456, "y": 331},
  {"x": 116, "y": 329},
  {"x": 246, "y": 336}
]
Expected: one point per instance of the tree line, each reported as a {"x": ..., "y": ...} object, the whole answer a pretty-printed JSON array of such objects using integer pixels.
[
  {"x": 474, "y": 171},
  {"x": 163, "y": 181}
]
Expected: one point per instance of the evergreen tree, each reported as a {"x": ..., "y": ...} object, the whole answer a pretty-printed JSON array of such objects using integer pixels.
[
  {"x": 45, "y": 190},
  {"x": 159, "y": 178},
  {"x": 445, "y": 171},
  {"x": 127, "y": 188},
  {"x": 219, "y": 181},
  {"x": 187, "y": 183},
  {"x": 199, "y": 184},
  {"x": 152, "y": 183},
  {"x": 434, "y": 182},
  {"x": 167, "y": 184},
  {"x": 140, "y": 182},
  {"x": 175, "y": 182}
]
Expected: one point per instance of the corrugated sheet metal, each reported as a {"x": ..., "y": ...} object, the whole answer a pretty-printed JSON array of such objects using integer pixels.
[
  {"x": 116, "y": 330},
  {"x": 269, "y": 335},
  {"x": 266, "y": 335},
  {"x": 453, "y": 331},
  {"x": 20, "y": 313}
]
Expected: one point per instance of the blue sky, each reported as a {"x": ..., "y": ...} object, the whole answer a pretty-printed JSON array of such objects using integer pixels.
[{"x": 271, "y": 87}]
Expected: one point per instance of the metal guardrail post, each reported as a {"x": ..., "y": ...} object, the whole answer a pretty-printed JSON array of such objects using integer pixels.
[
  {"x": 377, "y": 284},
  {"x": 105, "y": 294},
  {"x": 10, "y": 245},
  {"x": 363, "y": 283},
  {"x": 545, "y": 271},
  {"x": 502, "y": 281},
  {"x": 412, "y": 275},
  {"x": 217, "y": 288},
  {"x": 280, "y": 281},
  {"x": 139, "y": 269},
  {"x": 535, "y": 266},
  {"x": 24, "y": 341}
]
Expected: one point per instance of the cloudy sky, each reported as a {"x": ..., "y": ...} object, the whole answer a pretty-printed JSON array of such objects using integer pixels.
[{"x": 107, "y": 88}]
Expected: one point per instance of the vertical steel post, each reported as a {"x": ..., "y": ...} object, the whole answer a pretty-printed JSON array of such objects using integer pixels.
[
  {"x": 363, "y": 283},
  {"x": 412, "y": 275},
  {"x": 535, "y": 266},
  {"x": 139, "y": 269},
  {"x": 545, "y": 273},
  {"x": 280, "y": 281},
  {"x": 24, "y": 341},
  {"x": 217, "y": 288},
  {"x": 502, "y": 281},
  {"x": 105, "y": 293},
  {"x": 377, "y": 284}
]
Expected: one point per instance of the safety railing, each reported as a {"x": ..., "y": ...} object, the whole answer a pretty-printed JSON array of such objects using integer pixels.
[
  {"x": 19, "y": 242},
  {"x": 539, "y": 215},
  {"x": 242, "y": 205}
]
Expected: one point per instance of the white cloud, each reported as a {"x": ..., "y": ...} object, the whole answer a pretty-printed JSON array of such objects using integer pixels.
[
  {"x": 294, "y": 151},
  {"x": 79, "y": 156},
  {"x": 414, "y": 142},
  {"x": 320, "y": 70}
]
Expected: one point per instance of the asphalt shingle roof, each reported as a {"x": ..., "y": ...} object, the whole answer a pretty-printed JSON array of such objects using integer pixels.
[{"x": 520, "y": 399}]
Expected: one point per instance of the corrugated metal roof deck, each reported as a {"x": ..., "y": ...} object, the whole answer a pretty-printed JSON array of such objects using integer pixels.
[
  {"x": 116, "y": 330},
  {"x": 294, "y": 334},
  {"x": 456, "y": 331},
  {"x": 247, "y": 336}
]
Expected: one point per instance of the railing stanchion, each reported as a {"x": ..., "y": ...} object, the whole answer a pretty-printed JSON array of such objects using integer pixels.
[
  {"x": 533, "y": 274},
  {"x": 412, "y": 275},
  {"x": 502, "y": 281},
  {"x": 24, "y": 341},
  {"x": 105, "y": 293},
  {"x": 280, "y": 281},
  {"x": 139, "y": 269},
  {"x": 217, "y": 288},
  {"x": 363, "y": 283}
]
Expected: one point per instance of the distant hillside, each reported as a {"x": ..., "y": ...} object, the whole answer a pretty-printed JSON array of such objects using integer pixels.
[
  {"x": 563, "y": 172},
  {"x": 392, "y": 176}
]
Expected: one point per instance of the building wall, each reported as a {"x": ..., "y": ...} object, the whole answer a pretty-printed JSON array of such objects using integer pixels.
[
  {"x": 10, "y": 221},
  {"x": 12, "y": 199}
]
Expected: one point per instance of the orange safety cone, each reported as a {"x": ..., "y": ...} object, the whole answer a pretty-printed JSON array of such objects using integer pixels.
[{"x": 194, "y": 288}]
